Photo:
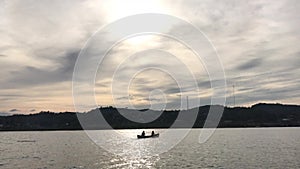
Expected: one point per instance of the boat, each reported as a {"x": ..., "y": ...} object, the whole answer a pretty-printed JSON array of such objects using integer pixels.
[{"x": 149, "y": 136}]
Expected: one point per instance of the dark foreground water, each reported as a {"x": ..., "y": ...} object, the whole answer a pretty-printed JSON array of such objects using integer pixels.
[{"x": 227, "y": 148}]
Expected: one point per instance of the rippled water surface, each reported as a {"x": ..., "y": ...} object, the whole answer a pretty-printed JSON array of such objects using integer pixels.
[{"x": 227, "y": 148}]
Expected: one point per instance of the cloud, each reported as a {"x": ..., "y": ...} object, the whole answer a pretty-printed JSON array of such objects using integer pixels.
[
  {"x": 33, "y": 76},
  {"x": 250, "y": 64},
  {"x": 13, "y": 110}
]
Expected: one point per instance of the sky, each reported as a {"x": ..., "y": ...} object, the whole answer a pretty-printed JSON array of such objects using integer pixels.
[{"x": 257, "y": 43}]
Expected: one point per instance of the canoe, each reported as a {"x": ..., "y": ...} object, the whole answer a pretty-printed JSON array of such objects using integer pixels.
[{"x": 149, "y": 136}]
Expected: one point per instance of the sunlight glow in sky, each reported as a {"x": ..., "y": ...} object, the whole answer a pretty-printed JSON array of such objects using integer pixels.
[{"x": 257, "y": 41}]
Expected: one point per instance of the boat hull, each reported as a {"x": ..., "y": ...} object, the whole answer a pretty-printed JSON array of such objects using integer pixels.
[{"x": 150, "y": 136}]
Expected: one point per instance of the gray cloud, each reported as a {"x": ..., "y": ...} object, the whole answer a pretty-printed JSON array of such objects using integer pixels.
[
  {"x": 32, "y": 76},
  {"x": 173, "y": 90},
  {"x": 250, "y": 64},
  {"x": 13, "y": 110}
]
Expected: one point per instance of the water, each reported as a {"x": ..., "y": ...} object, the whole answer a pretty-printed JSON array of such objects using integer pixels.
[{"x": 227, "y": 148}]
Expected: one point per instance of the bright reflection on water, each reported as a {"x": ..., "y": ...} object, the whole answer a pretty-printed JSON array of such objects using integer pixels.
[
  {"x": 137, "y": 162},
  {"x": 131, "y": 152},
  {"x": 125, "y": 143}
]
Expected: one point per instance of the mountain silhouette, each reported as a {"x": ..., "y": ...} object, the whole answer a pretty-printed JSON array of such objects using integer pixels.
[{"x": 258, "y": 115}]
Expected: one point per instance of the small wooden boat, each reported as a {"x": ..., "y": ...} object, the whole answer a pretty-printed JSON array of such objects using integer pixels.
[{"x": 149, "y": 136}]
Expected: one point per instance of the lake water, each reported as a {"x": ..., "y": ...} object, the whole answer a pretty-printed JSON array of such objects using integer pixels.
[{"x": 227, "y": 148}]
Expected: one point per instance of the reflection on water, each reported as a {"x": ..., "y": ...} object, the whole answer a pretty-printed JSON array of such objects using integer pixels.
[
  {"x": 130, "y": 152},
  {"x": 228, "y": 148},
  {"x": 125, "y": 142},
  {"x": 135, "y": 162}
]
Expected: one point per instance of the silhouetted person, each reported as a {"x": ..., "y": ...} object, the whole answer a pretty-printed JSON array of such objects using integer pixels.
[
  {"x": 143, "y": 133},
  {"x": 152, "y": 133}
]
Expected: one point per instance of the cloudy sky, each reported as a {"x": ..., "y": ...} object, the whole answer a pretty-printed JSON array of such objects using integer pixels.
[{"x": 257, "y": 43}]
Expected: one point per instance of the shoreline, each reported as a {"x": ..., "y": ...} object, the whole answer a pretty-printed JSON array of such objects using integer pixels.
[{"x": 261, "y": 127}]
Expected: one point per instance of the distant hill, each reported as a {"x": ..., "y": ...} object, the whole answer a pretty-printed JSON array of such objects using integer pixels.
[{"x": 259, "y": 115}]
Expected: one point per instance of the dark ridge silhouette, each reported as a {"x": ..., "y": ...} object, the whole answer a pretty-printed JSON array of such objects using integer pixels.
[{"x": 259, "y": 115}]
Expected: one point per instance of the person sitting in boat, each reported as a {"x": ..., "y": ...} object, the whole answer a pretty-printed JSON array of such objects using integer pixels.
[
  {"x": 143, "y": 133},
  {"x": 152, "y": 133}
]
